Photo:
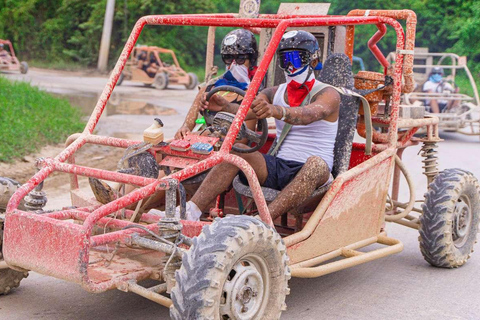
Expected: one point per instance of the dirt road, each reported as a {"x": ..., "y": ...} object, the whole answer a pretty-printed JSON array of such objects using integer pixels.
[
  {"x": 398, "y": 287},
  {"x": 131, "y": 108}
]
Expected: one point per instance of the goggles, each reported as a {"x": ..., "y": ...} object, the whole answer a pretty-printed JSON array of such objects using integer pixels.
[
  {"x": 297, "y": 58},
  {"x": 440, "y": 73},
  {"x": 239, "y": 58}
]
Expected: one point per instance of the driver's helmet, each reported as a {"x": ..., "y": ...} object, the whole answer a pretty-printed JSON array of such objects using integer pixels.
[
  {"x": 240, "y": 42},
  {"x": 298, "y": 48},
  {"x": 1, "y": 45},
  {"x": 437, "y": 70}
]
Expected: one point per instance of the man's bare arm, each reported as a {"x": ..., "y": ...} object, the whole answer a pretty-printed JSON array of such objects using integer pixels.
[{"x": 324, "y": 105}]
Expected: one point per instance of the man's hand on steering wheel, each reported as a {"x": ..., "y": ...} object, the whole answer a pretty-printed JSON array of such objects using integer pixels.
[
  {"x": 262, "y": 108},
  {"x": 182, "y": 132},
  {"x": 216, "y": 103}
]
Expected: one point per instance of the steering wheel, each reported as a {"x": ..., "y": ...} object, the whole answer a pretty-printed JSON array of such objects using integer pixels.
[{"x": 223, "y": 121}]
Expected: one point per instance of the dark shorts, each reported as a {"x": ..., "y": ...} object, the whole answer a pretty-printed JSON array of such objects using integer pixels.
[{"x": 280, "y": 172}]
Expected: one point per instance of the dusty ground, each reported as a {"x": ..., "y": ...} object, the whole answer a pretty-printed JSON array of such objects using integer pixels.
[{"x": 398, "y": 287}]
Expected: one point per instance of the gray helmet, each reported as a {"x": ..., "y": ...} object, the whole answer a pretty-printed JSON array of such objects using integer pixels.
[
  {"x": 1, "y": 45},
  {"x": 437, "y": 70},
  {"x": 240, "y": 41}
]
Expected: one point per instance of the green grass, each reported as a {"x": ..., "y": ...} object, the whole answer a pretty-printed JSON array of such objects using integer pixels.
[
  {"x": 30, "y": 119},
  {"x": 464, "y": 84}
]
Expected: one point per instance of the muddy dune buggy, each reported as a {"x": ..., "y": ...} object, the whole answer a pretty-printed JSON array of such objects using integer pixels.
[
  {"x": 464, "y": 114},
  {"x": 166, "y": 66},
  {"x": 9, "y": 61},
  {"x": 236, "y": 262}
]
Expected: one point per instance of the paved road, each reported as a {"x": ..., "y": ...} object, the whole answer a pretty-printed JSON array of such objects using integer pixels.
[{"x": 398, "y": 287}]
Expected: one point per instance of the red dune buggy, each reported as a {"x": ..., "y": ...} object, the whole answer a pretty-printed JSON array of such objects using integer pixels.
[{"x": 236, "y": 262}]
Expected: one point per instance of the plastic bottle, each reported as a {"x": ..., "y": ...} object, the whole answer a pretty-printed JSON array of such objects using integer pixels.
[{"x": 154, "y": 133}]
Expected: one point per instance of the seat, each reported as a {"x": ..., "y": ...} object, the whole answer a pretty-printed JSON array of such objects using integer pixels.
[{"x": 337, "y": 71}]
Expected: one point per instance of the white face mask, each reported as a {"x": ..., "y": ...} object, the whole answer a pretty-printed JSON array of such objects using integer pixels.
[
  {"x": 239, "y": 72},
  {"x": 299, "y": 76}
]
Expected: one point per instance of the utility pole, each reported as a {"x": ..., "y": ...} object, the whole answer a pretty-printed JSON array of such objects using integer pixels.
[{"x": 106, "y": 34}]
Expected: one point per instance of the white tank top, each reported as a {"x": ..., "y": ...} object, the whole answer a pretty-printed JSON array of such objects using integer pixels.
[{"x": 303, "y": 141}]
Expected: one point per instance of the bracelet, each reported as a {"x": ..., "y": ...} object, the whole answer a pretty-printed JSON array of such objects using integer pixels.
[{"x": 284, "y": 113}]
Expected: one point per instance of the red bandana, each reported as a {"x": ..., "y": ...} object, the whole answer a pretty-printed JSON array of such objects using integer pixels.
[{"x": 296, "y": 92}]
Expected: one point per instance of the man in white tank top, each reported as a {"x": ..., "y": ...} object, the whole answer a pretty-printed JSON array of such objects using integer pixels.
[{"x": 305, "y": 158}]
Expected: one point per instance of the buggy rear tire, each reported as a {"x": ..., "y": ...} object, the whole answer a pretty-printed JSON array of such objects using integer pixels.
[
  {"x": 449, "y": 223},
  {"x": 9, "y": 278},
  {"x": 161, "y": 81},
  {"x": 7, "y": 189},
  {"x": 235, "y": 269},
  {"x": 23, "y": 67},
  {"x": 193, "y": 81}
]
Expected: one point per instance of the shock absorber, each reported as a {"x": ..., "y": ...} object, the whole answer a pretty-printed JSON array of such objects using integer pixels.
[
  {"x": 36, "y": 199},
  {"x": 170, "y": 229},
  {"x": 430, "y": 164}
]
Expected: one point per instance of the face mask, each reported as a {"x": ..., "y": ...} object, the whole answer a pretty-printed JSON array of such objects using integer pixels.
[
  {"x": 299, "y": 84},
  {"x": 436, "y": 78},
  {"x": 298, "y": 76},
  {"x": 239, "y": 72}
]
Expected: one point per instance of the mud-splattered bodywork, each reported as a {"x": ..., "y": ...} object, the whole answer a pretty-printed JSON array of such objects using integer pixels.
[{"x": 97, "y": 251}]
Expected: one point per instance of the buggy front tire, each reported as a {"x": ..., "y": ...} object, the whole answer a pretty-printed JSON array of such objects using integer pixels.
[
  {"x": 192, "y": 81},
  {"x": 161, "y": 81},
  {"x": 449, "y": 223},
  {"x": 235, "y": 269},
  {"x": 23, "y": 67}
]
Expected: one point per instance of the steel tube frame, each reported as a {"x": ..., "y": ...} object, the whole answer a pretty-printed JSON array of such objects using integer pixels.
[{"x": 149, "y": 186}]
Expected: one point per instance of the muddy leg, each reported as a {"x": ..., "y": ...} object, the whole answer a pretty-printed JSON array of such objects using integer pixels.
[
  {"x": 314, "y": 173},
  {"x": 221, "y": 176}
]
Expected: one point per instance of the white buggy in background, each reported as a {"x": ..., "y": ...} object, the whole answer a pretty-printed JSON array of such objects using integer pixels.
[{"x": 464, "y": 116}]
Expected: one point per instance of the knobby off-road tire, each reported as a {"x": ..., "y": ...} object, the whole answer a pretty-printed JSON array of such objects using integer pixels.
[
  {"x": 449, "y": 223},
  {"x": 193, "y": 81},
  {"x": 161, "y": 81},
  {"x": 23, "y": 67},
  {"x": 9, "y": 278},
  {"x": 235, "y": 269},
  {"x": 120, "y": 79},
  {"x": 7, "y": 189}
]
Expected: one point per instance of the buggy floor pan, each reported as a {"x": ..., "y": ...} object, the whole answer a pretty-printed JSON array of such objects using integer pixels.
[{"x": 60, "y": 249}]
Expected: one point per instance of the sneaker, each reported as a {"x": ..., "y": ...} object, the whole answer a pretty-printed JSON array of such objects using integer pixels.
[
  {"x": 102, "y": 191},
  {"x": 193, "y": 213}
]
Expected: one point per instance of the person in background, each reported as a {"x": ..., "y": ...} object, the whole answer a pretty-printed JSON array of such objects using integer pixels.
[
  {"x": 436, "y": 84},
  {"x": 5, "y": 56}
]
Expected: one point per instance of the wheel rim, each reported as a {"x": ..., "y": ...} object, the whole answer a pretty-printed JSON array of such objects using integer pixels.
[
  {"x": 462, "y": 221},
  {"x": 246, "y": 289}
]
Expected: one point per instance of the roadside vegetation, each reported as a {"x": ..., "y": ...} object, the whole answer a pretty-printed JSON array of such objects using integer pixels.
[
  {"x": 62, "y": 32},
  {"x": 31, "y": 118}
]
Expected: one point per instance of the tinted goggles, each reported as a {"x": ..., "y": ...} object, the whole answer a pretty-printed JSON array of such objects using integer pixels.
[
  {"x": 297, "y": 58},
  {"x": 239, "y": 58}
]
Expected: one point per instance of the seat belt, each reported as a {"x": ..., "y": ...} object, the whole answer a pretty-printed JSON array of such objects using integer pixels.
[{"x": 344, "y": 91}]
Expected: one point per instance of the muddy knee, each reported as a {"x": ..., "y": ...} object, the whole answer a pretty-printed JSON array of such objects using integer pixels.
[{"x": 317, "y": 168}]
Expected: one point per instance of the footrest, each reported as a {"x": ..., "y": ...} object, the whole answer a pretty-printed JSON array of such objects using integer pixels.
[{"x": 312, "y": 269}]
